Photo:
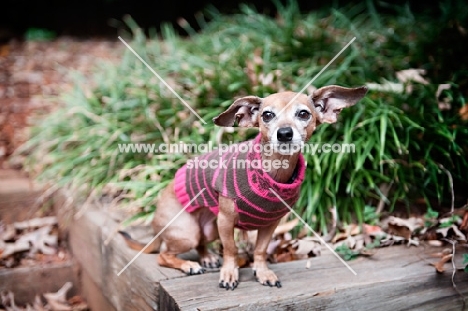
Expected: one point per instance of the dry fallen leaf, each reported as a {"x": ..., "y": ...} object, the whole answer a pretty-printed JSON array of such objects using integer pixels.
[
  {"x": 456, "y": 232},
  {"x": 273, "y": 246},
  {"x": 309, "y": 247},
  {"x": 409, "y": 75},
  {"x": 36, "y": 223},
  {"x": 435, "y": 243},
  {"x": 297, "y": 249},
  {"x": 286, "y": 227},
  {"x": 41, "y": 240},
  {"x": 8, "y": 300},
  {"x": 464, "y": 224},
  {"x": 404, "y": 227},
  {"x": 78, "y": 303},
  {"x": 7, "y": 232},
  {"x": 444, "y": 104},
  {"x": 445, "y": 252},
  {"x": 386, "y": 86},
  {"x": 38, "y": 305},
  {"x": 13, "y": 248},
  {"x": 286, "y": 257},
  {"x": 350, "y": 230},
  {"x": 372, "y": 230},
  {"x": 464, "y": 112},
  {"x": 58, "y": 301},
  {"x": 440, "y": 264}
]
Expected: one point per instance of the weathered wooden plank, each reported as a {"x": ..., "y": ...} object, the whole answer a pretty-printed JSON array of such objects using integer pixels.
[
  {"x": 28, "y": 282},
  {"x": 18, "y": 196},
  {"x": 94, "y": 296},
  {"x": 395, "y": 278},
  {"x": 137, "y": 288}
]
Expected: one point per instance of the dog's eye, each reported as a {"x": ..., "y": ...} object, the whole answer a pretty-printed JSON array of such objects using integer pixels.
[
  {"x": 267, "y": 116},
  {"x": 303, "y": 115}
]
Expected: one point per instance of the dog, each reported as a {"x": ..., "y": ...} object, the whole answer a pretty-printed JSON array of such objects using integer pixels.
[{"x": 218, "y": 199}]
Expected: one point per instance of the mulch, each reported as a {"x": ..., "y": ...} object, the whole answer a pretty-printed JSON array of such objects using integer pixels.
[{"x": 33, "y": 74}]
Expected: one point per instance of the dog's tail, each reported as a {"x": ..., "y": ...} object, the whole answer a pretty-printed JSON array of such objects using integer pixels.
[{"x": 133, "y": 244}]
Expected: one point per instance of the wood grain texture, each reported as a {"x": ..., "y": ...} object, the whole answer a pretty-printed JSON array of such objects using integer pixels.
[
  {"x": 396, "y": 278},
  {"x": 18, "y": 196},
  {"x": 27, "y": 282},
  {"x": 137, "y": 288}
]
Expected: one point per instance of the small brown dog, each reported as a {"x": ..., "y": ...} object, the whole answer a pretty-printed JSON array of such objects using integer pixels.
[{"x": 217, "y": 199}]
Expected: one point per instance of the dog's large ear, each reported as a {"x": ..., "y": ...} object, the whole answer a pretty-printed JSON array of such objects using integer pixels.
[
  {"x": 328, "y": 101},
  {"x": 244, "y": 110}
]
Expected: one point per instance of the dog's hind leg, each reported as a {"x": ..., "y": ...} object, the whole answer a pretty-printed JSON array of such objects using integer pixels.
[
  {"x": 181, "y": 236},
  {"x": 168, "y": 258}
]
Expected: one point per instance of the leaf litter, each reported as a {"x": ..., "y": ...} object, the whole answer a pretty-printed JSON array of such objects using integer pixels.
[
  {"x": 290, "y": 242},
  {"x": 56, "y": 301},
  {"x": 29, "y": 243}
]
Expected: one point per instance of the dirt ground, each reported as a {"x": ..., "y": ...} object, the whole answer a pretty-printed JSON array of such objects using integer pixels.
[{"x": 33, "y": 74}]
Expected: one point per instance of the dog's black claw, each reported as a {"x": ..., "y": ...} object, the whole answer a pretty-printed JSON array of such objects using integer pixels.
[
  {"x": 190, "y": 271},
  {"x": 125, "y": 234},
  {"x": 221, "y": 284},
  {"x": 278, "y": 284},
  {"x": 269, "y": 283},
  {"x": 227, "y": 286},
  {"x": 255, "y": 273}
]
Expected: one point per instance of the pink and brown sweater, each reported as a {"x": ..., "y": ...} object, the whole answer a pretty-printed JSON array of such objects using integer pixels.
[{"x": 249, "y": 187}]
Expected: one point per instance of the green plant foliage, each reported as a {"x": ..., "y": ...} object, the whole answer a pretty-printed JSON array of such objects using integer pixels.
[
  {"x": 370, "y": 215},
  {"x": 454, "y": 219},
  {"x": 430, "y": 218},
  {"x": 39, "y": 34},
  {"x": 347, "y": 253},
  {"x": 401, "y": 139}
]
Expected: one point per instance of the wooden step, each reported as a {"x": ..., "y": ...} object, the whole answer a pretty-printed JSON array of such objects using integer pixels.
[
  {"x": 395, "y": 278},
  {"x": 18, "y": 196}
]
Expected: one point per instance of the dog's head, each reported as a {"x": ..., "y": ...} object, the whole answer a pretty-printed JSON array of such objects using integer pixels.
[{"x": 289, "y": 117}]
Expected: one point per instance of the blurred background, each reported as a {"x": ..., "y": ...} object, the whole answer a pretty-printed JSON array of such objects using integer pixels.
[{"x": 101, "y": 18}]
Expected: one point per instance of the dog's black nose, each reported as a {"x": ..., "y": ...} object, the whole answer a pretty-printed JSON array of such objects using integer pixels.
[{"x": 285, "y": 134}]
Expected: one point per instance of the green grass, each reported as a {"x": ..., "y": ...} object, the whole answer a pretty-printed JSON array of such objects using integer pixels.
[
  {"x": 401, "y": 139},
  {"x": 39, "y": 34}
]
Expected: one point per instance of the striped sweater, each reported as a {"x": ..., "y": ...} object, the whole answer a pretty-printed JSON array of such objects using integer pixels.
[{"x": 249, "y": 185}]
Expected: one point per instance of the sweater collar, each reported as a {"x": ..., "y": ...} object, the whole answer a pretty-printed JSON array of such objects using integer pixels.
[{"x": 285, "y": 190}]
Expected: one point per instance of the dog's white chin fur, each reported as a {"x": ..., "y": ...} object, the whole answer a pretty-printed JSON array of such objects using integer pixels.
[{"x": 288, "y": 148}]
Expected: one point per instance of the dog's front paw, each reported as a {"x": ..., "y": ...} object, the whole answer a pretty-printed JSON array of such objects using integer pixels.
[
  {"x": 191, "y": 267},
  {"x": 229, "y": 277},
  {"x": 267, "y": 277}
]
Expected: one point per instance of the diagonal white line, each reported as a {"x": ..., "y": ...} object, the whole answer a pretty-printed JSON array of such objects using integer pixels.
[
  {"x": 316, "y": 76},
  {"x": 159, "y": 233},
  {"x": 315, "y": 233},
  {"x": 162, "y": 80}
]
